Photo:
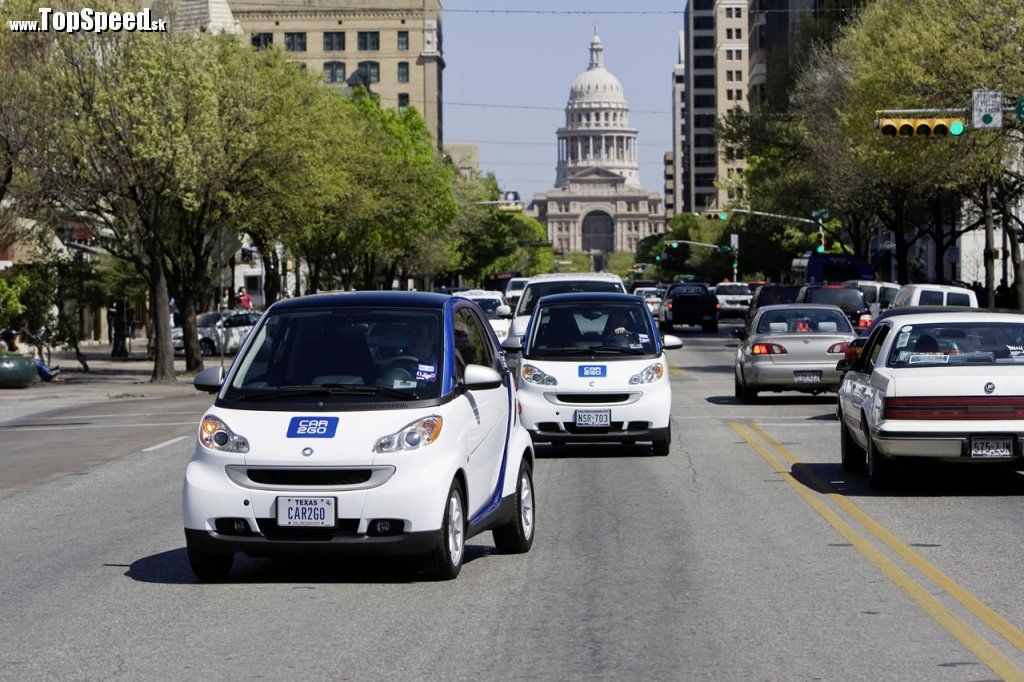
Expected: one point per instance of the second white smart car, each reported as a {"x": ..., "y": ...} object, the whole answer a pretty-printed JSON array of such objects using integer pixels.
[{"x": 594, "y": 370}]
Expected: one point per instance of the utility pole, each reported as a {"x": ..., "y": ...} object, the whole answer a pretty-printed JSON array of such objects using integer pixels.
[{"x": 990, "y": 272}]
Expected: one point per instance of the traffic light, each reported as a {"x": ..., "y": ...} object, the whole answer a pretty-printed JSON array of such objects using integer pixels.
[
  {"x": 722, "y": 215},
  {"x": 821, "y": 242},
  {"x": 920, "y": 127},
  {"x": 1020, "y": 110}
]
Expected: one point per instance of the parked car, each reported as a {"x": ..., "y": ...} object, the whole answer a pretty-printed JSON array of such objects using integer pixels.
[
  {"x": 941, "y": 386},
  {"x": 368, "y": 422},
  {"x": 849, "y": 299},
  {"x": 690, "y": 304},
  {"x": 594, "y": 370},
  {"x": 498, "y": 312},
  {"x": 218, "y": 332},
  {"x": 878, "y": 295},
  {"x": 935, "y": 294},
  {"x": 791, "y": 348},
  {"x": 733, "y": 299}
]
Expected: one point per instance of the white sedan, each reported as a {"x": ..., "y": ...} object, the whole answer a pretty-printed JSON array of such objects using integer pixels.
[
  {"x": 498, "y": 312},
  {"x": 935, "y": 386}
]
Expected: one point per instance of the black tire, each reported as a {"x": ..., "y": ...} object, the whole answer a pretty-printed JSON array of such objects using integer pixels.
[
  {"x": 747, "y": 395},
  {"x": 662, "y": 447},
  {"x": 516, "y": 536},
  {"x": 710, "y": 328},
  {"x": 853, "y": 455},
  {"x": 206, "y": 348},
  {"x": 737, "y": 387},
  {"x": 440, "y": 564},
  {"x": 881, "y": 471},
  {"x": 209, "y": 567}
]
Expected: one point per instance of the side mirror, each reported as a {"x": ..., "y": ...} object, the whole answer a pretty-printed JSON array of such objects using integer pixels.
[
  {"x": 480, "y": 378},
  {"x": 209, "y": 380},
  {"x": 669, "y": 342},
  {"x": 513, "y": 343},
  {"x": 844, "y": 366},
  {"x": 738, "y": 334},
  {"x": 503, "y": 311}
]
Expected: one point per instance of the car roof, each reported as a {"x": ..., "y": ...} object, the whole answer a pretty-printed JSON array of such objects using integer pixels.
[
  {"x": 583, "y": 296},
  {"x": 385, "y": 299},
  {"x": 936, "y": 287},
  {"x": 860, "y": 282},
  {"x": 479, "y": 293},
  {"x": 566, "y": 276},
  {"x": 799, "y": 306},
  {"x": 925, "y": 309},
  {"x": 960, "y": 318}
]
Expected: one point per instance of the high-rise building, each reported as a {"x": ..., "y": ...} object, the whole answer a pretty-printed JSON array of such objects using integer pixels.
[
  {"x": 715, "y": 69},
  {"x": 774, "y": 27},
  {"x": 393, "y": 45},
  {"x": 597, "y": 205},
  {"x": 677, "y": 178}
]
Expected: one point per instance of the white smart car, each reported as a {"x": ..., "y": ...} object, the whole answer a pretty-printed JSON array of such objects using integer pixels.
[
  {"x": 498, "y": 312},
  {"x": 377, "y": 422},
  {"x": 938, "y": 386},
  {"x": 594, "y": 370}
]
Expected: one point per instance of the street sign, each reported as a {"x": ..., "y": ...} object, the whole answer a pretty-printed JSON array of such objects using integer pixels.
[
  {"x": 734, "y": 241},
  {"x": 820, "y": 214},
  {"x": 988, "y": 109}
]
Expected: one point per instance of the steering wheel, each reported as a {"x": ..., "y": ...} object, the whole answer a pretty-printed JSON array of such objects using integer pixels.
[{"x": 406, "y": 364}]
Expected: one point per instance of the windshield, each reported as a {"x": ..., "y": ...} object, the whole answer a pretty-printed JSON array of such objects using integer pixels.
[
  {"x": 777, "y": 295},
  {"x": 489, "y": 306},
  {"x": 345, "y": 349},
  {"x": 803, "y": 321},
  {"x": 207, "y": 320},
  {"x": 516, "y": 285},
  {"x": 605, "y": 327},
  {"x": 539, "y": 290},
  {"x": 732, "y": 290},
  {"x": 840, "y": 296},
  {"x": 964, "y": 343}
]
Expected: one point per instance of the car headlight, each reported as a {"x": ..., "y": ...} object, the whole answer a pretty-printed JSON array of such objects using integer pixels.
[
  {"x": 215, "y": 434},
  {"x": 418, "y": 434},
  {"x": 650, "y": 374},
  {"x": 532, "y": 375}
]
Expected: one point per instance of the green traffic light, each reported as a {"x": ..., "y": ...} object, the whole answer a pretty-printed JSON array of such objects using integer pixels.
[
  {"x": 723, "y": 216},
  {"x": 675, "y": 245},
  {"x": 821, "y": 248},
  {"x": 956, "y": 128}
]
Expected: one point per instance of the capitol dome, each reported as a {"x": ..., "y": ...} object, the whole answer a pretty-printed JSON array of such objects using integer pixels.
[{"x": 597, "y": 84}]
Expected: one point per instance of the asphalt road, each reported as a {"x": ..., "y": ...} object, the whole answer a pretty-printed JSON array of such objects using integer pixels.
[{"x": 746, "y": 553}]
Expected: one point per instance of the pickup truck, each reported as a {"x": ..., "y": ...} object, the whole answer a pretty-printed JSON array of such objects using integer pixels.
[{"x": 691, "y": 304}]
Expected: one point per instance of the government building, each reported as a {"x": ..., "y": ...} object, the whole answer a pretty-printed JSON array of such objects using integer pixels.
[{"x": 597, "y": 205}]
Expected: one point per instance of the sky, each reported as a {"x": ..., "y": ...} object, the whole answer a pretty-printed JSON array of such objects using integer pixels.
[{"x": 532, "y": 60}]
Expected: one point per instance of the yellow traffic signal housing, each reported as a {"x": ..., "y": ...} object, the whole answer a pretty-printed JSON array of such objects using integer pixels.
[{"x": 920, "y": 127}]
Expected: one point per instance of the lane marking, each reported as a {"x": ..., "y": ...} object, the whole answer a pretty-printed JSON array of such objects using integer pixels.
[
  {"x": 964, "y": 633},
  {"x": 21, "y": 429},
  {"x": 170, "y": 441},
  {"x": 983, "y": 611},
  {"x": 116, "y": 416}
]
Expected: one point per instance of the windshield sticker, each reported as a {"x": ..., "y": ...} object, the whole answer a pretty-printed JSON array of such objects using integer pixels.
[
  {"x": 903, "y": 339},
  {"x": 643, "y": 338},
  {"x": 1015, "y": 350},
  {"x": 426, "y": 373},
  {"x": 402, "y": 383},
  {"x": 636, "y": 346},
  {"x": 922, "y": 358}
]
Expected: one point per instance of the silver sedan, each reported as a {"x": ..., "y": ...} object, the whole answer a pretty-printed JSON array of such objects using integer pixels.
[{"x": 791, "y": 348}]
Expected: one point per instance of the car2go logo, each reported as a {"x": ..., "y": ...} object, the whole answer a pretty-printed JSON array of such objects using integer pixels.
[
  {"x": 312, "y": 427},
  {"x": 589, "y": 371}
]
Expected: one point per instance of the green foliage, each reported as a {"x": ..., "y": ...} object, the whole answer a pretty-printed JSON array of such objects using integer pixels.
[
  {"x": 620, "y": 263},
  {"x": 572, "y": 262},
  {"x": 11, "y": 288}
]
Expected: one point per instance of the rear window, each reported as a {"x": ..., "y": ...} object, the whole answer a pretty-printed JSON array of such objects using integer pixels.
[
  {"x": 777, "y": 295},
  {"x": 803, "y": 321},
  {"x": 889, "y": 295},
  {"x": 842, "y": 297},
  {"x": 954, "y": 298},
  {"x": 690, "y": 290},
  {"x": 930, "y": 298},
  {"x": 966, "y": 343},
  {"x": 870, "y": 293},
  {"x": 732, "y": 290}
]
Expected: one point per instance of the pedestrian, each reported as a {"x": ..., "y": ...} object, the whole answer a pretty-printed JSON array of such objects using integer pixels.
[{"x": 244, "y": 299}]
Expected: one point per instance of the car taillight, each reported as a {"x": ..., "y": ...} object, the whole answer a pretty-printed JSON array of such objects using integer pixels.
[
  {"x": 865, "y": 321},
  {"x": 839, "y": 347},
  {"x": 768, "y": 349},
  {"x": 718, "y": 306},
  {"x": 669, "y": 305},
  {"x": 972, "y": 408}
]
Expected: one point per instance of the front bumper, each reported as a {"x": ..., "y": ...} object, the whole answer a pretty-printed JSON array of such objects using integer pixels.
[
  {"x": 398, "y": 545},
  {"x": 642, "y": 416},
  {"x": 770, "y": 376}
]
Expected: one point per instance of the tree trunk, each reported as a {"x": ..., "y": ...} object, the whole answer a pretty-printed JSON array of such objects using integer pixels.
[
  {"x": 990, "y": 271},
  {"x": 1010, "y": 230},
  {"x": 159, "y": 313},
  {"x": 190, "y": 334},
  {"x": 271, "y": 275}
]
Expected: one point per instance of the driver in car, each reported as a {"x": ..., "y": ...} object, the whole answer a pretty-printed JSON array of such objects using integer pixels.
[{"x": 620, "y": 327}]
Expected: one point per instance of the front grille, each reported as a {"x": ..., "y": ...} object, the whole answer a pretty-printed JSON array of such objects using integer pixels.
[
  {"x": 345, "y": 528},
  {"x": 309, "y": 476},
  {"x": 588, "y": 398}
]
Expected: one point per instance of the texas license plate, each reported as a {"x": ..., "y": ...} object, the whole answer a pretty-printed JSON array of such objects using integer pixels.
[
  {"x": 991, "y": 448},
  {"x": 807, "y": 377},
  {"x": 318, "y": 512},
  {"x": 593, "y": 418}
]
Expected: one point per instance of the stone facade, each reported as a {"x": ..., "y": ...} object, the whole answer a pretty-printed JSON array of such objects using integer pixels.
[{"x": 597, "y": 205}]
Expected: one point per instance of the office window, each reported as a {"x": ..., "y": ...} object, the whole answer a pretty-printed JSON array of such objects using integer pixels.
[
  {"x": 403, "y": 40},
  {"x": 739, "y": 13},
  {"x": 334, "y": 72},
  {"x": 728, "y": 12},
  {"x": 704, "y": 62},
  {"x": 295, "y": 42},
  {"x": 728, "y": 94},
  {"x": 703, "y": 82},
  {"x": 262, "y": 39},
  {"x": 739, "y": 75},
  {"x": 334, "y": 41},
  {"x": 704, "y": 23},
  {"x": 704, "y": 102},
  {"x": 728, "y": 55},
  {"x": 703, "y": 43},
  {"x": 403, "y": 101},
  {"x": 371, "y": 70},
  {"x": 728, "y": 34},
  {"x": 728, "y": 75},
  {"x": 403, "y": 72},
  {"x": 369, "y": 40},
  {"x": 739, "y": 34}
]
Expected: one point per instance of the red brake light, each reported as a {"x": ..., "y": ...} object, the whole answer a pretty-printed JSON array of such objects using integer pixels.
[
  {"x": 865, "y": 321},
  {"x": 767, "y": 349},
  {"x": 669, "y": 305},
  {"x": 839, "y": 347},
  {"x": 718, "y": 306},
  {"x": 834, "y": 286}
]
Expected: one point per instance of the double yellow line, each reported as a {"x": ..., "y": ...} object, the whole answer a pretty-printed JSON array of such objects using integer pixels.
[{"x": 780, "y": 458}]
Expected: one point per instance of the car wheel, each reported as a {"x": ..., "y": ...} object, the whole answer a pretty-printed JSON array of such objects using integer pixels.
[
  {"x": 880, "y": 469},
  {"x": 209, "y": 567},
  {"x": 445, "y": 561},
  {"x": 737, "y": 387},
  {"x": 851, "y": 453},
  {"x": 748, "y": 395},
  {"x": 516, "y": 536},
  {"x": 206, "y": 347},
  {"x": 662, "y": 447}
]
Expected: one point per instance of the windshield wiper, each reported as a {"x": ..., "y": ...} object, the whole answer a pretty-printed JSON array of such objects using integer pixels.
[
  {"x": 329, "y": 390},
  {"x": 594, "y": 350}
]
